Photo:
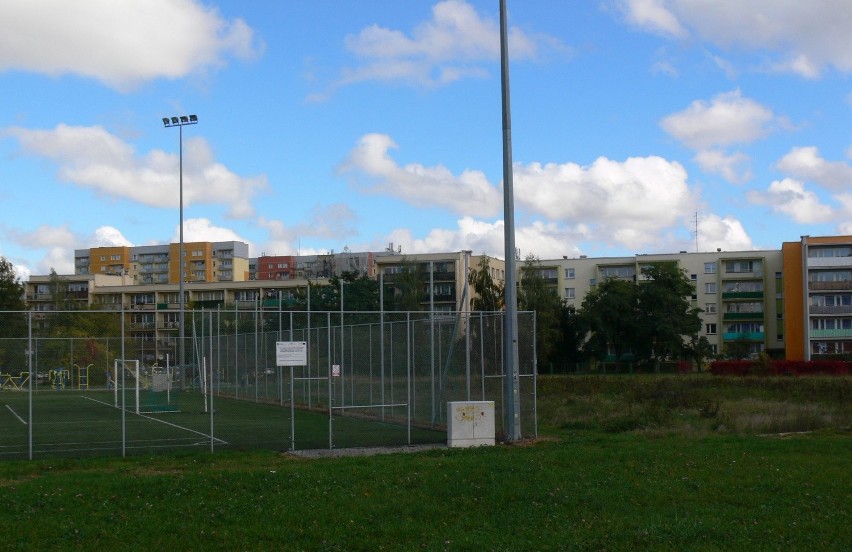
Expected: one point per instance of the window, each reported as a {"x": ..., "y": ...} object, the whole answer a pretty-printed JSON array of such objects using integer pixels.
[
  {"x": 569, "y": 293},
  {"x": 743, "y": 266},
  {"x": 710, "y": 287},
  {"x": 710, "y": 268},
  {"x": 693, "y": 277},
  {"x": 710, "y": 308},
  {"x": 710, "y": 329},
  {"x": 626, "y": 272},
  {"x": 569, "y": 273}
]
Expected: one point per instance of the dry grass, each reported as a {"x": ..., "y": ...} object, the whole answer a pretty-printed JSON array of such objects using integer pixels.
[{"x": 694, "y": 405}]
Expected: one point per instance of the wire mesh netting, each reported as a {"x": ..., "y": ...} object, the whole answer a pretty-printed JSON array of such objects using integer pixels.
[{"x": 90, "y": 383}]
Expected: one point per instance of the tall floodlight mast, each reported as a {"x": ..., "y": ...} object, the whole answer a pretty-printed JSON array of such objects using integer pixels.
[
  {"x": 510, "y": 339},
  {"x": 179, "y": 122}
]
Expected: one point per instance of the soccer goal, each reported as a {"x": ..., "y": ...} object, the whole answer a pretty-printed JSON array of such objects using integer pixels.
[{"x": 151, "y": 386}]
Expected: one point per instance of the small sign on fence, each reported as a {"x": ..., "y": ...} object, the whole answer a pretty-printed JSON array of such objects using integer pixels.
[{"x": 291, "y": 353}]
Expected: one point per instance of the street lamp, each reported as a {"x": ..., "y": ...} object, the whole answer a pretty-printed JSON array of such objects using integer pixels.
[{"x": 180, "y": 122}]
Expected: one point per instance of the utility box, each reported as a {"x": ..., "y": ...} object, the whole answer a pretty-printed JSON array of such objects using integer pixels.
[{"x": 470, "y": 423}]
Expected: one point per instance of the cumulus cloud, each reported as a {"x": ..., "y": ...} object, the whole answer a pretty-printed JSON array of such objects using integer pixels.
[
  {"x": 202, "y": 229},
  {"x": 545, "y": 240},
  {"x": 92, "y": 157},
  {"x": 725, "y": 233},
  {"x": 654, "y": 16},
  {"x": 375, "y": 171},
  {"x": 644, "y": 194},
  {"x": 803, "y": 38},
  {"x": 456, "y": 43},
  {"x": 727, "y": 119},
  {"x": 806, "y": 163},
  {"x": 108, "y": 236},
  {"x": 790, "y": 198},
  {"x": 121, "y": 44},
  {"x": 334, "y": 222},
  {"x": 734, "y": 167}
]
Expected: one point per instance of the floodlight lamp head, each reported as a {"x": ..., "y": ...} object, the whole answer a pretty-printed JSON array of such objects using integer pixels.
[
  {"x": 166, "y": 121},
  {"x": 175, "y": 121},
  {"x": 193, "y": 118},
  {"x": 184, "y": 120}
]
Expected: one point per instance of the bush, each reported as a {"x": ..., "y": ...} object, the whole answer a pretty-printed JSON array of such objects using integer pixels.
[{"x": 767, "y": 367}]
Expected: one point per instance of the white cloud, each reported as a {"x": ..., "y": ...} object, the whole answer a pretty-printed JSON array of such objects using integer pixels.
[
  {"x": 790, "y": 198},
  {"x": 733, "y": 167},
  {"x": 333, "y": 222},
  {"x": 805, "y": 163},
  {"x": 107, "y": 236},
  {"x": 202, "y": 229},
  {"x": 121, "y": 44},
  {"x": 91, "y": 157},
  {"x": 654, "y": 16},
  {"x": 545, "y": 240},
  {"x": 457, "y": 42},
  {"x": 728, "y": 119},
  {"x": 644, "y": 194},
  {"x": 725, "y": 233},
  {"x": 806, "y": 37},
  {"x": 58, "y": 243},
  {"x": 469, "y": 192}
]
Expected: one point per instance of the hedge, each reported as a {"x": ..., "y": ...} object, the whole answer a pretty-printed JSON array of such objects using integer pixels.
[{"x": 780, "y": 367}]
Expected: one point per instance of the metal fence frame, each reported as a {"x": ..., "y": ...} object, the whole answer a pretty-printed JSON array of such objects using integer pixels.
[{"x": 400, "y": 368}]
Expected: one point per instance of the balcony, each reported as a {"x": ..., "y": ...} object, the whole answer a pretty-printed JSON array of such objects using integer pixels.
[
  {"x": 836, "y": 333},
  {"x": 830, "y": 286},
  {"x": 742, "y": 295},
  {"x": 842, "y": 309},
  {"x": 828, "y": 262},
  {"x": 742, "y": 316},
  {"x": 744, "y": 336}
]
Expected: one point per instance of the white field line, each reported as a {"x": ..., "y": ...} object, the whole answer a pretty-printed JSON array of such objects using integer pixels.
[
  {"x": 220, "y": 441},
  {"x": 15, "y": 414}
]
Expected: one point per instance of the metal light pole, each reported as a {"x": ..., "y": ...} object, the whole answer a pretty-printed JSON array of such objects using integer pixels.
[
  {"x": 179, "y": 122},
  {"x": 510, "y": 339}
]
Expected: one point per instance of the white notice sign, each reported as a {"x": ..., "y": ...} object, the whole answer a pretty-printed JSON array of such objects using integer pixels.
[{"x": 291, "y": 353}]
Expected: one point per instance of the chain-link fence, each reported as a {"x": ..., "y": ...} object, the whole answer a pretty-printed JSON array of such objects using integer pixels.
[{"x": 100, "y": 383}]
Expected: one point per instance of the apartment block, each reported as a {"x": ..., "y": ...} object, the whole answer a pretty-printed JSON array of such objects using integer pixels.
[
  {"x": 739, "y": 292},
  {"x": 443, "y": 277},
  {"x": 158, "y": 264},
  {"x": 818, "y": 285}
]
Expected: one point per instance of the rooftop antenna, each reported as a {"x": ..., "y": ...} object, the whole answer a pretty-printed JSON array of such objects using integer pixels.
[{"x": 695, "y": 232}]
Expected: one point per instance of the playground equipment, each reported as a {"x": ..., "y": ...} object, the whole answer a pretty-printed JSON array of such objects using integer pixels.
[
  {"x": 58, "y": 378},
  {"x": 82, "y": 376},
  {"x": 16, "y": 383}
]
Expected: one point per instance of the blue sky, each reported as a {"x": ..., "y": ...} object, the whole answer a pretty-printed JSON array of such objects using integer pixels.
[{"x": 330, "y": 124}]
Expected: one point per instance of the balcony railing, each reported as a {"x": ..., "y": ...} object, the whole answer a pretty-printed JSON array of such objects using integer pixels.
[
  {"x": 821, "y": 309},
  {"x": 830, "y": 333},
  {"x": 742, "y": 316},
  {"x": 819, "y": 286},
  {"x": 743, "y": 336},
  {"x": 742, "y": 295}
]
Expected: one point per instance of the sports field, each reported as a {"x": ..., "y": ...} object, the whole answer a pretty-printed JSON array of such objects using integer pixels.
[{"x": 97, "y": 422}]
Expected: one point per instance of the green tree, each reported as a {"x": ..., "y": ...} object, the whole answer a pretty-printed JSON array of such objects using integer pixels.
[
  {"x": 13, "y": 322},
  {"x": 488, "y": 296},
  {"x": 610, "y": 312},
  {"x": 573, "y": 330},
  {"x": 666, "y": 313},
  {"x": 405, "y": 289},
  {"x": 534, "y": 294}
]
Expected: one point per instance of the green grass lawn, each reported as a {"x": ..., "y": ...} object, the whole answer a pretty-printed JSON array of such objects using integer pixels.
[{"x": 608, "y": 473}]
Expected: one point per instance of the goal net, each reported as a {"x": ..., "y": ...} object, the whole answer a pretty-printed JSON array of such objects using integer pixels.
[{"x": 149, "y": 388}]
